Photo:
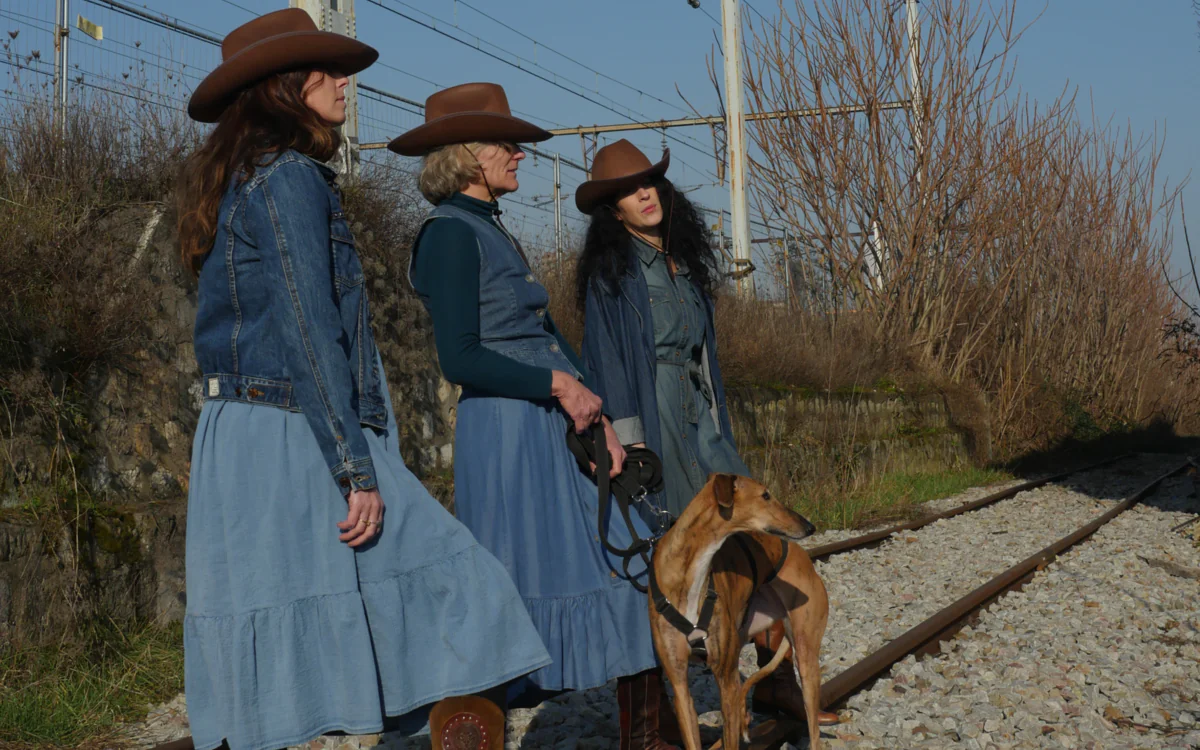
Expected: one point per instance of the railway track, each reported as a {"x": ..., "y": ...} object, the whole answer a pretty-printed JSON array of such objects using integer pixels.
[{"x": 927, "y": 636}]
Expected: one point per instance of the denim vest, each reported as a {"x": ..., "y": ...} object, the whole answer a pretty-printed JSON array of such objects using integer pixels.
[
  {"x": 283, "y": 318},
  {"x": 512, "y": 303}
]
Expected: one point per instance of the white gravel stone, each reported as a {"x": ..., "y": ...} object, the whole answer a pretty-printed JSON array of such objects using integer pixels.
[{"x": 1100, "y": 650}]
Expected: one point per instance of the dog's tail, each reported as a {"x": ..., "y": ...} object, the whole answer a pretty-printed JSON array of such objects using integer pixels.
[{"x": 781, "y": 653}]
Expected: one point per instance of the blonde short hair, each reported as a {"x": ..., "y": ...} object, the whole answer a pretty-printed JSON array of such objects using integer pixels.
[{"x": 448, "y": 170}]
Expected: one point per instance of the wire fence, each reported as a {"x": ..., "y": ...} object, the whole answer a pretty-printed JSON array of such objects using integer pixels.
[{"x": 150, "y": 59}]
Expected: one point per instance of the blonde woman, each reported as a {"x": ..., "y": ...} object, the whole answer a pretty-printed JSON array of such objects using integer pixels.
[{"x": 517, "y": 487}]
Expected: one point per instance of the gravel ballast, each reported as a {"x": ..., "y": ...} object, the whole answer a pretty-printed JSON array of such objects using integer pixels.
[{"x": 1100, "y": 650}]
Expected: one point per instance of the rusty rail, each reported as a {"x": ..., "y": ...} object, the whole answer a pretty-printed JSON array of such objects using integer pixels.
[
  {"x": 876, "y": 537},
  {"x": 944, "y": 624},
  {"x": 939, "y": 627}
]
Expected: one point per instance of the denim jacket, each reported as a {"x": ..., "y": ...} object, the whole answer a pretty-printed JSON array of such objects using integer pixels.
[
  {"x": 283, "y": 318},
  {"x": 618, "y": 350}
]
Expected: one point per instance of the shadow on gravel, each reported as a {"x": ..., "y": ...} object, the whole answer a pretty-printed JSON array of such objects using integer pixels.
[{"x": 1157, "y": 437}]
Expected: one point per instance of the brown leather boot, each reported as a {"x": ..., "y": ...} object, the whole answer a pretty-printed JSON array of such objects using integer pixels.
[
  {"x": 668, "y": 723},
  {"x": 640, "y": 700},
  {"x": 469, "y": 722},
  {"x": 778, "y": 693}
]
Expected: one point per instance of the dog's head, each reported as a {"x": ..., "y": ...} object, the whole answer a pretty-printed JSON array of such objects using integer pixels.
[{"x": 746, "y": 505}]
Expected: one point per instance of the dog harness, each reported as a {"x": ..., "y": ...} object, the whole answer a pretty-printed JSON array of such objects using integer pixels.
[
  {"x": 697, "y": 633},
  {"x": 642, "y": 475}
]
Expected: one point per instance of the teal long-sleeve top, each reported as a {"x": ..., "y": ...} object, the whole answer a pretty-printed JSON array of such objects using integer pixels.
[{"x": 447, "y": 269}]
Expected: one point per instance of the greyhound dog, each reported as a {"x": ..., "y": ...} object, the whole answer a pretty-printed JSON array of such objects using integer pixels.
[{"x": 709, "y": 597}]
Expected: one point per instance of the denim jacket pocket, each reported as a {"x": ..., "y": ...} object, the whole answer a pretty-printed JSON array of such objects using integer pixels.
[{"x": 347, "y": 267}]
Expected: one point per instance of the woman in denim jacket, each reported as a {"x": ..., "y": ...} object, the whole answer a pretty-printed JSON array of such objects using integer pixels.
[
  {"x": 645, "y": 280},
  {"x": 516, "y": 485},
  {"x": 326, "y": 588}
]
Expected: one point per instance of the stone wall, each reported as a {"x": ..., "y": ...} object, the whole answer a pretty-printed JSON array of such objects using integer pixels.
[
  {"x": 93, "y": 508},
  {"x": 102, "y": 532},
  {"x": 810, "y": 434}
]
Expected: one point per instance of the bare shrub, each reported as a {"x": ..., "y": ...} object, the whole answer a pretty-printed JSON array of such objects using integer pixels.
[
  {"x": 386, "y": 211},
  {"x": 993, "y": 242}
]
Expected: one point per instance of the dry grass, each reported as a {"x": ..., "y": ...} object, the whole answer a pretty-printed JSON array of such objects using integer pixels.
[
  {"x": 72, "y": 296},
  {"x": 75, "y": 694}
]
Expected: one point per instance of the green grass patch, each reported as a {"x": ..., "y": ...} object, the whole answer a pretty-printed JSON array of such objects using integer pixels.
[
  {"x": 892, "y": 497},
  {"x": 75, "y": 695}
]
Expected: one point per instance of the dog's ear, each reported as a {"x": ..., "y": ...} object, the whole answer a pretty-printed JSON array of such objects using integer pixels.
[{"x": 723, "y": 489}]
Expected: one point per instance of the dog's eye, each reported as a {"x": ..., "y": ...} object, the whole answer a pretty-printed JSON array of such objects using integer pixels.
[{"x": 766, "y": 496}]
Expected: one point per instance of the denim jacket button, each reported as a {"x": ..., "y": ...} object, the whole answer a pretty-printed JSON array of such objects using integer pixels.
[
  {"x": 529, "y": 277},
  {"x": 540, "y": 312},
  {"x": 554, "y": 347}
]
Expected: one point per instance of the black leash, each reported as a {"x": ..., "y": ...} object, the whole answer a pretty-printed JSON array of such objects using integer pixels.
[{"x": 641, "y": 475}]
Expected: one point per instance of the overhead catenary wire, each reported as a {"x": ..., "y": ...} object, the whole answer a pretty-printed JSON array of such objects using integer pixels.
[
  {"x": 437, "y": 85},
  {"x": 240, "y": 7},
  {"x": 190, "y": 29},
  {"x": 567, "y": 57},
  {"x": 535, "y": 74}
]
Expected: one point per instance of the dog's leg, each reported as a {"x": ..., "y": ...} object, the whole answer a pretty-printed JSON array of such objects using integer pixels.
[
  {"x": 808, "y": 668},
  {"x": 685, "y": 710},
  {"x": 673, "y": 653},
  {"x": 806, "y": 661},
  {"x": 733, "y": 705}
]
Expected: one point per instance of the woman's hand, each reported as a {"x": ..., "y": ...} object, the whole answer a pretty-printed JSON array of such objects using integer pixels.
[
  {"x": 363, "y": 519},
  {"x": 580, "y": 404},
  {"x": 615, "y": 450}
]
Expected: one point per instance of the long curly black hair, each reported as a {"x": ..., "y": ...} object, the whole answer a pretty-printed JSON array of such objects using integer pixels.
[{"x": 608, "y": 250}]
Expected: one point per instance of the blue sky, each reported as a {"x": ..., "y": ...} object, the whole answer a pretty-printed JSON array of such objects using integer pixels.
[{"x": 1135, "y": 61}]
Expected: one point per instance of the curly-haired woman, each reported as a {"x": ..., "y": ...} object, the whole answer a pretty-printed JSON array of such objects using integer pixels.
[{"x": 645, "y": 281}]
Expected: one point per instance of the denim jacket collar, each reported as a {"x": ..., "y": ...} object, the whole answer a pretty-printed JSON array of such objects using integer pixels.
[
  {"x": 326, "y": 172},
  {"x": 649, "y": 254}
]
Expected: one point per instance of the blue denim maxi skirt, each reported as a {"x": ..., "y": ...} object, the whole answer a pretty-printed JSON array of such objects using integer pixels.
[
  {"x": 520, "y": 492},
  {"x": 289, "y": 633}
]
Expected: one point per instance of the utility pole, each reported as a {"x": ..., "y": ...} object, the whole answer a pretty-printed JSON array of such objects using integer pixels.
[
  {"x": 62, "y": 30},
  {"x": 735, "y": 133},
  {"x": 338, "y": 16},
  {"x": 558, "y": 232},
  {"x": 914, "y": 83},
  {"x": 878, "y": 258},
  {"x": 787, "y": 266}
]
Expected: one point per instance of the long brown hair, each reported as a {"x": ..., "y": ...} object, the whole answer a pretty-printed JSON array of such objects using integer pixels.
[{"x": 267, "y": 118}]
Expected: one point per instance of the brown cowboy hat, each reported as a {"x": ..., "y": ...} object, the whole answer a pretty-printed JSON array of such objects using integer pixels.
[
  {"x": 465, "y": 113},
  {"x": 272, "y": 43},
  {"x": 618, "y": 168}
]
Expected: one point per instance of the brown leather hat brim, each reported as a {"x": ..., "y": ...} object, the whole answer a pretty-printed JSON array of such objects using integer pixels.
[
  {"x": 465, "y": 127},
  {"x": 592, "y": 193},
  {"x": 274, "y": 55}
]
